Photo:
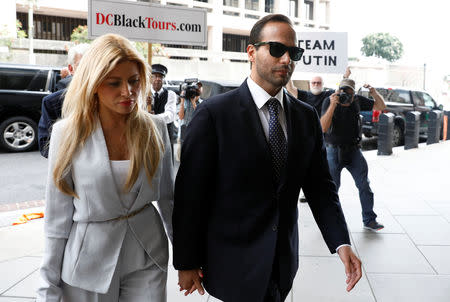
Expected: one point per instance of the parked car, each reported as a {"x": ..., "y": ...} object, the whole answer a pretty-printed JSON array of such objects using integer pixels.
[
  {"x": 399, "y": 101},
  {"x": 22, "y": 88}
]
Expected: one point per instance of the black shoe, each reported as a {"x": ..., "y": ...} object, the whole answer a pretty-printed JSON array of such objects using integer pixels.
[{"x": 373, "y": 226}]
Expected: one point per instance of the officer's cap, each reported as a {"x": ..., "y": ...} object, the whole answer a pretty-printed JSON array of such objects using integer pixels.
[{"x": 159, "y": 68}]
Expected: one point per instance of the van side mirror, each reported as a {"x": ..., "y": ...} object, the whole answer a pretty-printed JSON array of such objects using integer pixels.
[{"x": 441, "y": 107}]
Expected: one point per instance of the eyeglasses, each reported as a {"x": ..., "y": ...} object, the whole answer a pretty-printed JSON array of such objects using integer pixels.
[
  {"x": 277, "y": 50},
  {"x": 316, "y": 83}
]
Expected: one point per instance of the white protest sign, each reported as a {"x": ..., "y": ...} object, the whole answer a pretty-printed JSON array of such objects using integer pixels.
[
  {"x": 325, "y": 52},
  {"x": 142, "y": 21}
]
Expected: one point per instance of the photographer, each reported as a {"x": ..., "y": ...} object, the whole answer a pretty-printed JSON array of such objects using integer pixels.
[
  {"x": 190, "y": 95},
  {"x": 341, "y": 124}
]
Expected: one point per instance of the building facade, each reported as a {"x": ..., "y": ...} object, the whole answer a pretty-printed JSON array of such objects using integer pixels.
[{"x": 224, "y": 57}]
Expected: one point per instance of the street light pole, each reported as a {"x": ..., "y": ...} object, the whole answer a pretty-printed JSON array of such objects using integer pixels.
[
  {"x": 424, "y": 74},
  {"x": 32, "y": 57}
]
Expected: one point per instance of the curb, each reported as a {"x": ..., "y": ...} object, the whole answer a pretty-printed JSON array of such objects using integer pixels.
[{"x": 21, "y": 205}]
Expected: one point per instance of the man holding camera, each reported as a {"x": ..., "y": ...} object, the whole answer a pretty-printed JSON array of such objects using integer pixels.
[
  {"x": 190, "y": 95},
  {"x": 341, "y": 124},
  {"x": 164, "y": 102}
]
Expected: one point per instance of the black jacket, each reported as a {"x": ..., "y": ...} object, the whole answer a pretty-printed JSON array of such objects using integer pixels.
[{"x": 50, "y": 112}]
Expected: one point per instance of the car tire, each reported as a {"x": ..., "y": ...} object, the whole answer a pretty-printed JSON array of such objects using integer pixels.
[
  {"x": 18, "y": 134},
  {"x": 398, "y": 136}
]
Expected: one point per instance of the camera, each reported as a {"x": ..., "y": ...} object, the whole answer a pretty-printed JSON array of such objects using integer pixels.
[
  {"x": 345, "y": 98},
  {"x": 190, "y": 88}
]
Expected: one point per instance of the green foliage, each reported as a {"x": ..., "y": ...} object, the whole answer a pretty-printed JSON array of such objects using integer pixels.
[
  {"x": 382, "y": 45},
  {"x": 80, "y": 35},
  {"x": 20, "y": 32}
]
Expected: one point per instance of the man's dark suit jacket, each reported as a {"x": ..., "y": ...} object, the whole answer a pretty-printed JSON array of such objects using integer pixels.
[
  {"x": 63, "y": 83},
  {"x": 50, "y": 112},
  {"x": 229, "y": 217}
]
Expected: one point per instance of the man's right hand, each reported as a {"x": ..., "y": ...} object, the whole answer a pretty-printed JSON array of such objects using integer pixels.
[
  {"x": 191, "y": 280},
  {"x": 334, "y": 99}
]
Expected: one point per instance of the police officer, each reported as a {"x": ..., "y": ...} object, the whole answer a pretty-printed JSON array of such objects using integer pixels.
[
  {"x": 341, "y": 125},
  {"x": 163, "y": 101}
]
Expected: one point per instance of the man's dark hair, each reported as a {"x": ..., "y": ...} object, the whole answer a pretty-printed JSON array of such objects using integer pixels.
[{"x": 255, "y": 33}]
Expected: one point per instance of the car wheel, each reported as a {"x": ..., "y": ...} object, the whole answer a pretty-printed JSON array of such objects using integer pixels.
[
  {"x": 397, "y": 136},
  {"x": 18, "y": 134}
]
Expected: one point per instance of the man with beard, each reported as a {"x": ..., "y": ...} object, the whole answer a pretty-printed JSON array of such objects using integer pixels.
[
  {"x": 245, "y": 157},
  {"x": 316, "y": 94}
]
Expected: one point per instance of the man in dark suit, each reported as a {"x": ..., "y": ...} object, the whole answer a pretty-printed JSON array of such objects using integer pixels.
[
  {"x": 52, "y": 103},
  {"x": 246, "y": 155}
]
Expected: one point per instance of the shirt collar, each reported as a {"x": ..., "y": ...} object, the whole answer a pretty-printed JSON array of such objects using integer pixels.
[
  {"x": 260, "y": 96},
  {"x": 159, "y": 92}
]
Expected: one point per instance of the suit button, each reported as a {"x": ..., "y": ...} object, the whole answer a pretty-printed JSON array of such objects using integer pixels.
[{"x": 274, "y": 228}]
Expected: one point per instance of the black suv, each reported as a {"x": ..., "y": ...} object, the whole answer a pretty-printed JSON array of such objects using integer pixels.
[
  {"x": 399, "y": 101},
  {"x": 22, "y": 88}
]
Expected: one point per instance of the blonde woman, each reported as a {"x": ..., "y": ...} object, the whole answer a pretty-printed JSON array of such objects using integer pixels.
[{"x": 108, "y": 160}]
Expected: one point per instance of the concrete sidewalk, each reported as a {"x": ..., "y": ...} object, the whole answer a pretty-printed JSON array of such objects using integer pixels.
[{"x": 408, "y": 261}]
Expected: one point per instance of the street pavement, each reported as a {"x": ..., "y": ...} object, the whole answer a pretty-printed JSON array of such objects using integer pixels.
[{"x": 407, "y": 261}]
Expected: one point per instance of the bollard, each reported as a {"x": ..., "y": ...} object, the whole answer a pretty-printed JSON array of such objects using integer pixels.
[
  {"x": 385, "y": 130},
  {"x": 412, "y": 130},
  {"x": 434, "y": 127},
  {"x": 446, "y": 125}
]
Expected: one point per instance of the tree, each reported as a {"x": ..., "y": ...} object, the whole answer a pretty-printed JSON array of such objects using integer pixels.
[
  {"x": 382, "y": 45},
  {"x": 80, "y": 34}
]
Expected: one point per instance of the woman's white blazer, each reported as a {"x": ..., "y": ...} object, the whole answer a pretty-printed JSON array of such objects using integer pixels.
[{"x": 83, "y": 243}]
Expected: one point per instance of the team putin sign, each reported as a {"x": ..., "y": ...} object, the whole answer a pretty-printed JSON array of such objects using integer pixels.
[
  {"x": 140, "y": 21},
  {"x": 325, "y": 52}
]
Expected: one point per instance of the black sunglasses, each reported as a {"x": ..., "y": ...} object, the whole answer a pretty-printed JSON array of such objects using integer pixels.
[{"x": 278, "y": 49}]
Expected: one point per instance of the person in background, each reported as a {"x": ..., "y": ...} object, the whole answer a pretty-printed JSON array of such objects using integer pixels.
[
  {"x": 190, "y": 99},
  {"x": 341, "y": 125},
  {"x": 64, "y": 72},
  {"x": 163, "y": 102},
  {"x": 108, "y": 160},
  {"x": 316, "y": 94},
  {"x": 52, "y": 104},
  {"x": 73, "y": 59}
]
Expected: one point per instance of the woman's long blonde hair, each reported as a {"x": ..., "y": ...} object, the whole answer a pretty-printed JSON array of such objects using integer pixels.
[{"x": 80, "y": 109}]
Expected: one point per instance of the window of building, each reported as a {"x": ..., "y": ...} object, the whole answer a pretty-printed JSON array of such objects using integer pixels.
[
  {"x": 293, "y": 8},
  {"x": 234, "y": 3},
  {"x": 236, "y": 43},
  {"x": 309, "y": 9},
  {"x": 269, "y": 5},
  {"x": 252, "y": 4},
  {"x": 51, "y": 27}
]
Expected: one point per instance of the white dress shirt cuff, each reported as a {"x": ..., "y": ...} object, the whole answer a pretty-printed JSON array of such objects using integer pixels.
[{"x": 337, "y": 249}]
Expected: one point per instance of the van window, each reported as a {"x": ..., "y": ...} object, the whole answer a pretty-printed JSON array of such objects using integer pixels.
[{"x": 23, "y": 79}]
